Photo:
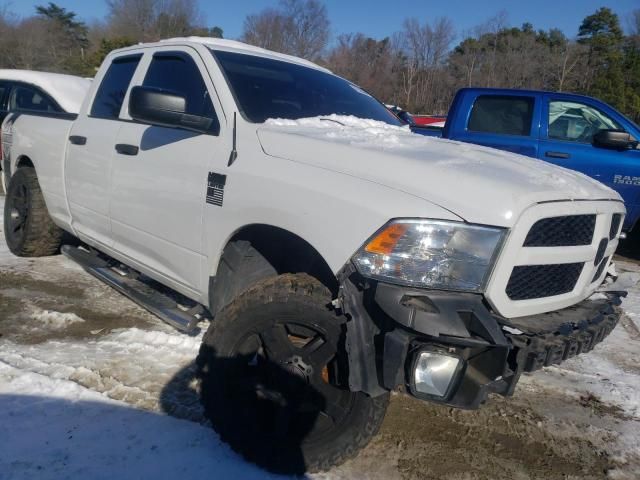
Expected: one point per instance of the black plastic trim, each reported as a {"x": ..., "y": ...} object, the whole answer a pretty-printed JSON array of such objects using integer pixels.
[
  {"x": 389, "y": 325},
  {"x": 35, "y": 113}
]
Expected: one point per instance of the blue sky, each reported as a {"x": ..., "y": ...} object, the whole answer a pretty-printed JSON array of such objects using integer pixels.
[{"x": 378, "y": 18}]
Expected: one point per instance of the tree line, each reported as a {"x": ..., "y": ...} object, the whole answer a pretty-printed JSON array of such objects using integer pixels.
[{"x": 419, "y": 68}]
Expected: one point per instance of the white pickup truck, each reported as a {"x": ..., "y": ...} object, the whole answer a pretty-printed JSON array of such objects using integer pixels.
[{"x": 339, "y": 256}]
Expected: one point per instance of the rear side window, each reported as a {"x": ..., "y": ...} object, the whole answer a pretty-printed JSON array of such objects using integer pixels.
[
  {"x": 113, "y": 88},
  {"x": 24, "y": 98},
  {"x": 506, "y": 115},
  {"x": 176, "y": 72}
]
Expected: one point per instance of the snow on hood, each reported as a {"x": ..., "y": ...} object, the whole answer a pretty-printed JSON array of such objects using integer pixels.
[{"x": 479, "y": 184}]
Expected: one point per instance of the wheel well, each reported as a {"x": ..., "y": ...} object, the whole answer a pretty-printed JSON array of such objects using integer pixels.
[
  {"x": 288, "y": 253},
  {"x": 24, "y": 162}
]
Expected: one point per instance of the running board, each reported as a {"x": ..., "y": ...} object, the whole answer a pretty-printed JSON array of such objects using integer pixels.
[{"x": 127, "y": 283}]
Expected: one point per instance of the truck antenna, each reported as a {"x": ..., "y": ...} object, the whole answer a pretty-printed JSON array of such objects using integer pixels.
[{"x": 234, "y": 151}]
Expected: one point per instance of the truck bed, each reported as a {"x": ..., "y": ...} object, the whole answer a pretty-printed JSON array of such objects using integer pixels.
[{"x": 40, "y": 139}]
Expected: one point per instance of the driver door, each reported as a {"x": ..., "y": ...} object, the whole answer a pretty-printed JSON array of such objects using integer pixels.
[{"x": 159, "y": 176}]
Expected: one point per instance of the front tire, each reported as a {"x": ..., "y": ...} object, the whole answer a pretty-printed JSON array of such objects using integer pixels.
[
  {"x": 28, "y": 228},
  {"x": 274, "y": 379}
]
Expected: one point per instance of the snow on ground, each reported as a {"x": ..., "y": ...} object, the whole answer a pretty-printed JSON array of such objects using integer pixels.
[
  {"x": 91, "y": 405},
  {"x": 55, "y": 320},
  {"x": 85, "y": 390},
  {"x": 131, "y": 365},
  {"x": 56, "y": 429}
]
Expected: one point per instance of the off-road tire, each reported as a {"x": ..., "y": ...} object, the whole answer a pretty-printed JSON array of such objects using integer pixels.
[
  {"x": 241, "y": 266},
  {"x": 282, "y": 296},
  {"x": 38, "y": 236}
]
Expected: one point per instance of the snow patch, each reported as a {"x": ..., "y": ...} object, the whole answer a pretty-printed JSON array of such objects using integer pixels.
[
  {"x": 131, "y": 365},
  {"x": 53, "y": 429},
  {"x": 55, "y": 320}
]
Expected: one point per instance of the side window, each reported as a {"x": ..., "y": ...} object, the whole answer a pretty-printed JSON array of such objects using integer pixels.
[
  {"x": 4, "y": 89},
  {"x": 176, "y": 72},
  {"x": 577, "y": 122},
  {"x": 27, "y": 98},
  {"x": 506, "y": 115},
  {"x": 113, "y": 88}
]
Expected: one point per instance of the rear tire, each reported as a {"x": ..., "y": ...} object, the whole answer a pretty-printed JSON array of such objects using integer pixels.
[
  {"x": 28, "y": 228},
  {"x": 274, "y": 380}
]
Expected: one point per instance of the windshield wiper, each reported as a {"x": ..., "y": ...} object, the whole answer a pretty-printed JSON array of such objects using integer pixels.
[{"x": 332, "y": 120}]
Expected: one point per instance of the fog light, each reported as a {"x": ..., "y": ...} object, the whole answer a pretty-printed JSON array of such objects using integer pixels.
[{"x": 434, "y": 372}]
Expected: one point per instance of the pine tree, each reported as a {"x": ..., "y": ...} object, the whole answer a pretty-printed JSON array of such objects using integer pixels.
[{"x": 602, "y": 33}]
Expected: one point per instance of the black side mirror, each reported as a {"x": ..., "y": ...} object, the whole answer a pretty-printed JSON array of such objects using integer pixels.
[
  {"x": 614, "y": 140},
  {"x": 159, "y": 107}
]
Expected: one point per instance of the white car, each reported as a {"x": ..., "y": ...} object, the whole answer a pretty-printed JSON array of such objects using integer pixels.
[
  {"x": 340, "y": 256},
  {"x": 29, "y": 91}
]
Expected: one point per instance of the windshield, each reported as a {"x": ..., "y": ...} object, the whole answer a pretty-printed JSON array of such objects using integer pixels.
[{"x": 266, "y": 88}]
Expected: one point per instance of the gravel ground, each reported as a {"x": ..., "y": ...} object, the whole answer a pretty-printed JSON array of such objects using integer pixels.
[{"x": 87, "y": 379}]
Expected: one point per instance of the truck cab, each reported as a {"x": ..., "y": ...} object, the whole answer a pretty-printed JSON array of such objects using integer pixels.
[{"x": 565, "y": 129}]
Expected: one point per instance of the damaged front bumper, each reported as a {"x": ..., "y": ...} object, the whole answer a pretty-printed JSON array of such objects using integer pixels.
[{"x": 448, "y": 347}]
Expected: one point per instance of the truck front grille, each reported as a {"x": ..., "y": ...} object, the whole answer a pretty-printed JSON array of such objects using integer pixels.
[
  {"x": 539, "y": 281},
  {"x": 603, "y": 264},
  {"x": 616, "y": 218},
  {"x": 565, "y": 231},
  {"x": 545, "y": 266}
]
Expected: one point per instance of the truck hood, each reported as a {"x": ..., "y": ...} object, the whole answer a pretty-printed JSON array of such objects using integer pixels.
[{"x": 478, "y": 184}]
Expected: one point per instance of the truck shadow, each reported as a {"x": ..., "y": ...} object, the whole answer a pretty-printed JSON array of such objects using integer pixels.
[
  {"x": 155, "y": 137},
  {"x": 254, "y": 416},
  {"x": 82, "y": 436}
]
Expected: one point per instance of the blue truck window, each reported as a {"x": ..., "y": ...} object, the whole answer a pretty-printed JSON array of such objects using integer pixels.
[
  {"x": 505, "y": 115},
  {"x": 577, "y": 122}
]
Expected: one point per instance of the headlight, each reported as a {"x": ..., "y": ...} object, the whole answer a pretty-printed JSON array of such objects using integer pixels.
[{"x": 431, "y": 253}]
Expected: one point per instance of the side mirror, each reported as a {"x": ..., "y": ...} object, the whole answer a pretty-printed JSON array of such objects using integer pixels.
[
  {"x": 614, "y": 140},
  {"x": 159, "y": 107}
]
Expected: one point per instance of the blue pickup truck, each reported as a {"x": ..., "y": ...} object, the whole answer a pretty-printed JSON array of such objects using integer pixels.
[{"x": 573, "y": 131}]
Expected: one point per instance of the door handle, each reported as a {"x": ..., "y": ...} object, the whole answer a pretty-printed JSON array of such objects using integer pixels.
[
  {"x": 126, "y": 149},
  {"x": 78, "y": 140},
  {"x": 556, "y": 155}
]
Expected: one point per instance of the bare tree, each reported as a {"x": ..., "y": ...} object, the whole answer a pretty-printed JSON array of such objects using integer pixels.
[
  {"x": 132, "y": 18},
  {"x": 266, "y": 29},
  {"x": 296, "y": 27},
  {"x": 177, "y": 17},
  {"x": 424, "y": 48},
  {"x": 147, "y": 20},
  {"x": 367, "y": 62},
  {"x": 29, "y": 46}
]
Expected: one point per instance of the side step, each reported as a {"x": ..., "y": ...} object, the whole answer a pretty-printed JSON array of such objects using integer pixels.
[{"x": 128, "y": 283}]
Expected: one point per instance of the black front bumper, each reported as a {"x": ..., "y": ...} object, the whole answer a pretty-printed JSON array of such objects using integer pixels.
[{"x": 390, "y": 324}]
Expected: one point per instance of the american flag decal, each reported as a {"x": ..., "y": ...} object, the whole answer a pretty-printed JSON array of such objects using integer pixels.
[{"x": 215, "y": 188}]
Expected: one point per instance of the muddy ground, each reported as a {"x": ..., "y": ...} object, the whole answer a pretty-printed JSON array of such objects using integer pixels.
[{"x": 550, "y": 429}]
